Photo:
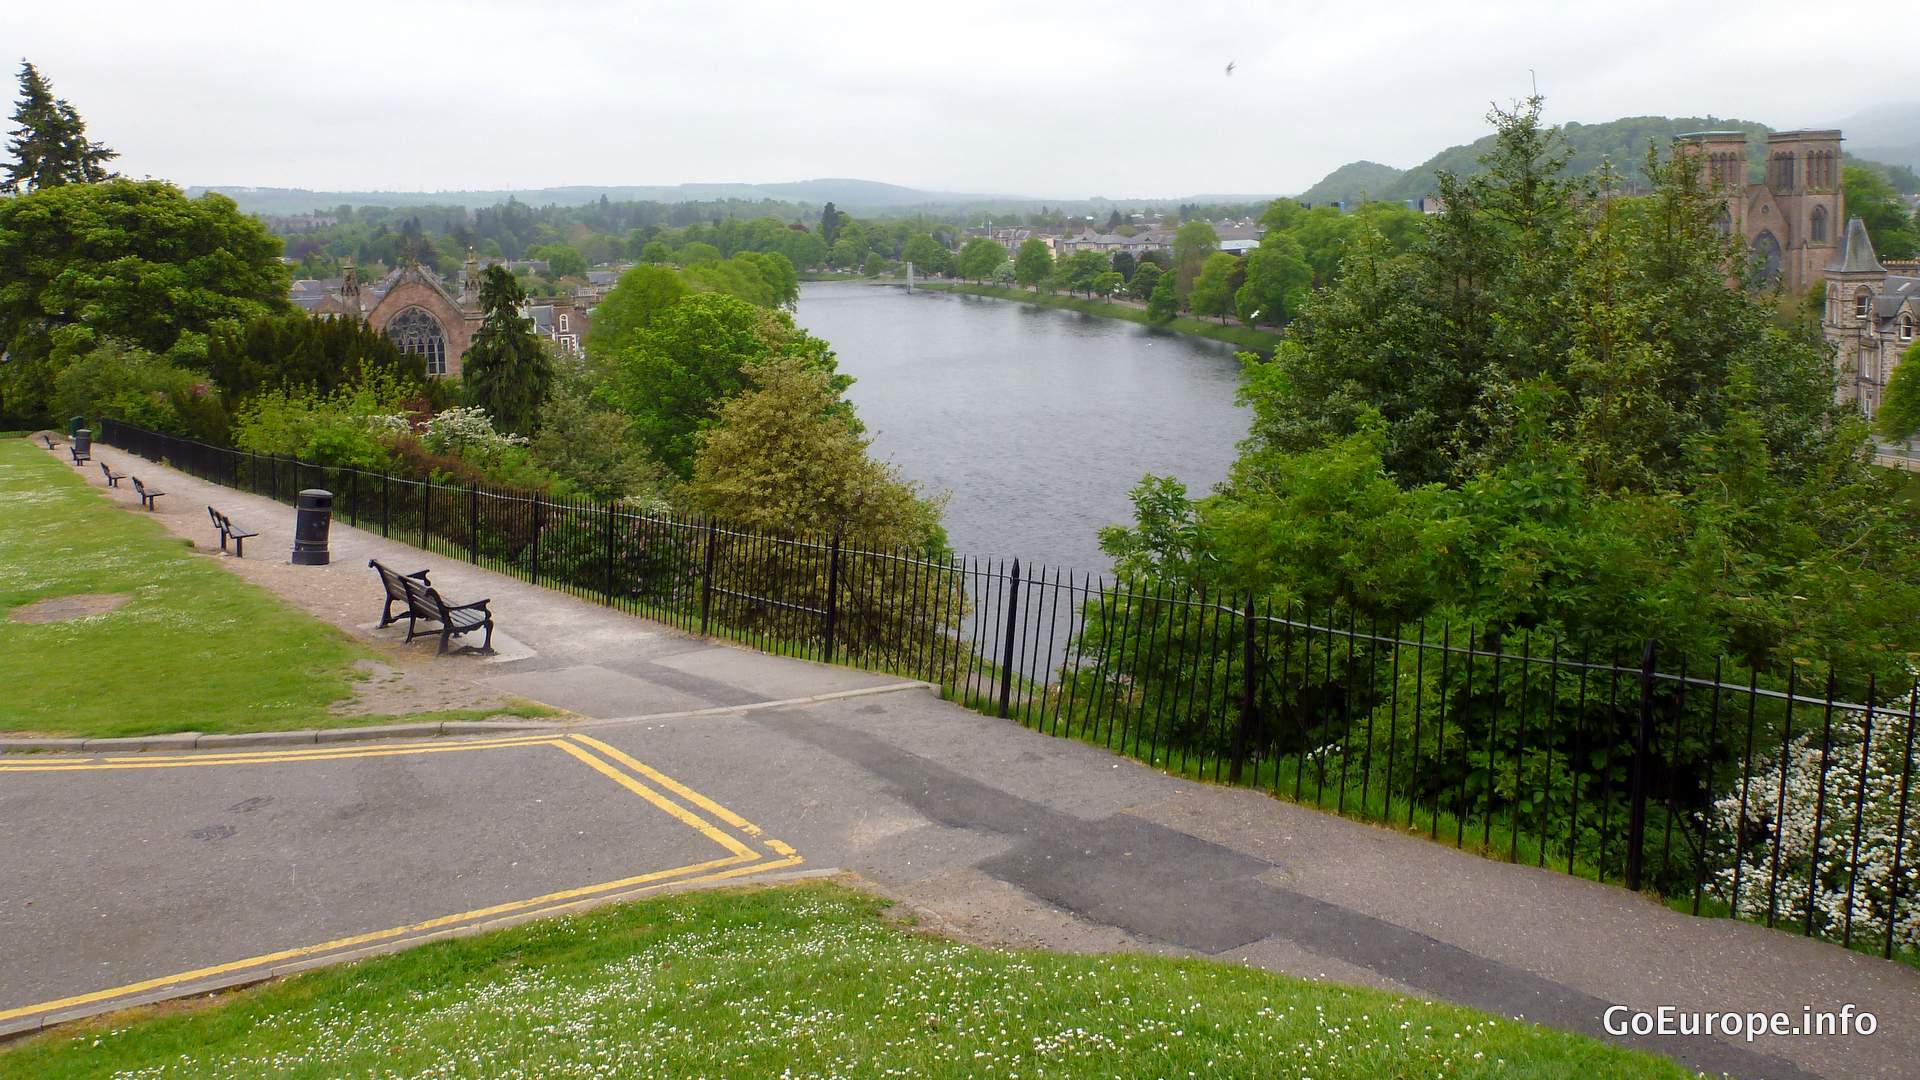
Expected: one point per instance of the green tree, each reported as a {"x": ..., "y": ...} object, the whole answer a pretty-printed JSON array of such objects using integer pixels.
[
  {"x": 672, "y": 379},
  {"x": 1193, "y": 243},
  {"x": 1162, "y": 304},
  {"x": 927, "y": 255},
  {"x": 1278, "y": 279},
  {"x": 133, "y": 385},
  {"x": 1213, "y": 289},
  {"x": 1145, "y": 277},
  {"x": 295, "y": 350},
  {"x": 505, "y": 370},
  {"x": 1107, "y": 284},
  {"x": 1123, "y": 264},
  {"x": 136, "y": 261},
  {"x": 1033, "y": 263},
  {"x": 1899, "y": 416},
  {"x": 591, "y": 448},
  {"x": 980, "y": 257},
  {"x": 656, "y": 251},
  {"x": 640, "y": 295},
  {"x": 831, "y": 221},
  {"x": 784, "y": 455},
  {"x": 50, "y": 145},
  {"x": 1869, "y": 197},
  {"x": 1079, "y": 271},
  {"x": 563, "y": 260}
]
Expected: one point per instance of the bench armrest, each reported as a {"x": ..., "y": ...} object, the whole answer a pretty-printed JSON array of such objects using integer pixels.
[{"x": 477, "y": 605}]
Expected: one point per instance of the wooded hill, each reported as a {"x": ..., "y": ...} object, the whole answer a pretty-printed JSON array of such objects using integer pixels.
[{"x": 1623, "y": 142}]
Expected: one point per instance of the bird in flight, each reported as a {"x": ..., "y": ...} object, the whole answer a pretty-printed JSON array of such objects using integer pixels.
[{"x": 1231, "y": 64}]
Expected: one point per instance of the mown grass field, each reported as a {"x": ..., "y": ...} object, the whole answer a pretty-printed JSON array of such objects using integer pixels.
[
  {"x": 806, "y": 980},
  {"x": 195, "y": 649},
  {"x": 1262, "y": 341}
]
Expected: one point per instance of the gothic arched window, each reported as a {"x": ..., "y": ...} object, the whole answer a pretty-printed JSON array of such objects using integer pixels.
[
  {"x": 1862, "y": 303},
  {"x": 415, "y": 331},
  {"x": 1767, "y": 250},
  {"x": 1906, "y": 327},
  {"x": 1819, "y": 227}
]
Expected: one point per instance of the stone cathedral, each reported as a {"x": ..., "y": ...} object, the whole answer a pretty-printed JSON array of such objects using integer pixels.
[{"x": 1792, "y": 219}]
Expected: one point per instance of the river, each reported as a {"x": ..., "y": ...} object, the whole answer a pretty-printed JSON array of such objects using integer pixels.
[{"x": 1038, "y": 421}]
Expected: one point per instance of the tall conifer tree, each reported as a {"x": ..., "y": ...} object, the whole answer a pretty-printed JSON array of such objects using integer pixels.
[
  {"x": 49, "y": 146},
  {"x": 505, "y": 370}
]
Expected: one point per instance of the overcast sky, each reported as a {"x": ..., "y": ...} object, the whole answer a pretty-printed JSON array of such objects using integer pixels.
[{"x": 1115, "y": 98}]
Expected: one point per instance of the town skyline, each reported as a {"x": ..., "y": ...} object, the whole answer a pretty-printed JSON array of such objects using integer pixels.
[{"x": 1000, "y": 105}]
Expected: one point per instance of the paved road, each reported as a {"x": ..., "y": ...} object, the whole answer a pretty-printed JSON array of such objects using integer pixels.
[{"x": 1006, "y": 835}]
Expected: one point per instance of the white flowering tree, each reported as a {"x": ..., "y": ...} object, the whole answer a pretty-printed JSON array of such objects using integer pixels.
[
  {"x": 467, "y": 432},
  {"x": 1851, "y": 823}
]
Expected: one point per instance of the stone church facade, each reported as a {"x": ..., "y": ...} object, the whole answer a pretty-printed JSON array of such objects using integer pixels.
[
  {"x": 415, "y": 308},
  {"x": 1791, "y": 219},
  {"x": 412, "y": 306}
]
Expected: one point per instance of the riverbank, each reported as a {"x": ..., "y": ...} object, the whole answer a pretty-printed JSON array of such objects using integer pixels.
[{"x": 1261, "y": 341}]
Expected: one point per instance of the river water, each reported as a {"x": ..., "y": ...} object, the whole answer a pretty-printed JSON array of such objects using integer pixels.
[{"x": 1038, "y": 421}]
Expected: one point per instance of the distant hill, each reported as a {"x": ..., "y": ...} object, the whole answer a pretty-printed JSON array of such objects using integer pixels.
[
  {"x": 1885, "y": 133},
  {"x": 1624, "y": 142},
  {"x": 853, "y": 195},
  {"x": 1621, "y": 141}
]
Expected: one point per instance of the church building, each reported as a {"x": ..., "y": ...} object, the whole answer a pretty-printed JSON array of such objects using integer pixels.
[
  {"x": 1791, "y": 219},
  {"x": 411, "y": 305}
]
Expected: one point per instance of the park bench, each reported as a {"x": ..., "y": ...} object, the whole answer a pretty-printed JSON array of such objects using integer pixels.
[
  {"x": 146, "y": 497},
  {"x": 113, "y": 478},
  {"x": 48, "y": 439},
  {"x": 229, "y": 531},
  {"x": 422, "y": 602},
  {"x": 79, "y": 456}
]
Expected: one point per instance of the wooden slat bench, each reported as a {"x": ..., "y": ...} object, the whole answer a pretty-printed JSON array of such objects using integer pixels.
[
  {"x": 113, "y": 478},
  {"x": 146, "y": 496},
  {"x": 421, "y": 602},
  {"x": 229, "y": 531}
]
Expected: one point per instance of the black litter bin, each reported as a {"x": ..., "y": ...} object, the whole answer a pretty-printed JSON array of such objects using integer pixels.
[
  {"x": 82, "y": 442},
  {"x": 313, "y": 513}
]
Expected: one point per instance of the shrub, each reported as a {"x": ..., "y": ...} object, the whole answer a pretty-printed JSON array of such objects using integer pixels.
[
  {"x": 130, "y": 384},
  {"x": 1821, "y": 787},
  {"x": 347, "y": 428}
]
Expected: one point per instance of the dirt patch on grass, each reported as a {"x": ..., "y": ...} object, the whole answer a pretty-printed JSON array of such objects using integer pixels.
[
  {"x": 63, "y": 608},
  {"x": 402, "y": 687}
]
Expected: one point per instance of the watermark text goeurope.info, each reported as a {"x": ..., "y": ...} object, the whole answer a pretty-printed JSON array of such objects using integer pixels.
[{"x": 1667, "y": 1020}]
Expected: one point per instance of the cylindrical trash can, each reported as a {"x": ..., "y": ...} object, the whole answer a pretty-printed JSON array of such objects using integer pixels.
[
  {"x": 82, "y": 442},
  {"x": 313, "y": 513}
]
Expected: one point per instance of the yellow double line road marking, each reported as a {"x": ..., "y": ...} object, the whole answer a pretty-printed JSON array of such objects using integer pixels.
[
  {"x": 741, "y": 860},
  {"x": 194, "y": 759}
]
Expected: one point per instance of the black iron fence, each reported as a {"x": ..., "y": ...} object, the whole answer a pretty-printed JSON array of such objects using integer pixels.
[{"x": 1728, "y": 792}]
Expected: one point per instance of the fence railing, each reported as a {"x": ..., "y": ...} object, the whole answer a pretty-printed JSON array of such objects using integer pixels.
[{"x": 1729, "y": 792}]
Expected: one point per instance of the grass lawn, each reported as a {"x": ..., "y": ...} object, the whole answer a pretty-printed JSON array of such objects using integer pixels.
[
  {"x": 1246, "y": 337},
  {"x": 805, "y": 981},
  {"x": 196, "y": 649}
]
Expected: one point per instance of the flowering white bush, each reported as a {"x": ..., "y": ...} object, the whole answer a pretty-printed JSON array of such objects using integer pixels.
[
  {"x": 466, "y": 431},
  {"x": 389, "y": 425},
  {"x": 1789, "y": 821}
]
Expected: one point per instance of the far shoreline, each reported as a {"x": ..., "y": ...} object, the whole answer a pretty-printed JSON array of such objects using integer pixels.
[{"x": 1244, "y": 338}]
